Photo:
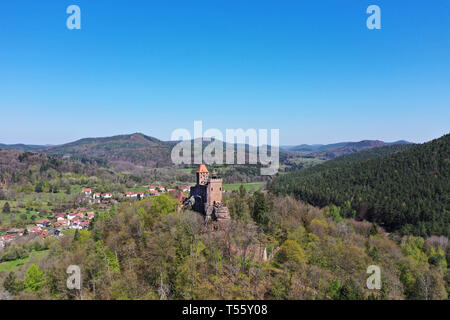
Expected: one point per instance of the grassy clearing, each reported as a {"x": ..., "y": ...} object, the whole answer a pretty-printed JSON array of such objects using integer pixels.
[
  {"x": 17, "y": 264},
  {"x": 250, "y": 187}
]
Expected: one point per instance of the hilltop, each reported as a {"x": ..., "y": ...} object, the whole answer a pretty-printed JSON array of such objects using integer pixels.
[
  {"x": 331, "y": 151},
  {"x": 405, "y": 190},
  {"x": 135, "y": 148}
]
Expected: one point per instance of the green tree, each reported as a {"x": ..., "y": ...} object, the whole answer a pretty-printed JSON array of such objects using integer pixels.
[
  {"x": 242, "y": 191},
  {"x": 6, "y": 208},
  {"x": 259, "y": 208},
  {"x": 291, "y": 251},
  {"x": 39, "y": 187},
  {"x": 351, "y": 291},
  {"x": 76, "y": 236},
  {"x": 373, "y": 229},
  {"x": 12, "y": 285},
  {"x": 34, "y": 279},
  {"x": 163, "y": 205}
]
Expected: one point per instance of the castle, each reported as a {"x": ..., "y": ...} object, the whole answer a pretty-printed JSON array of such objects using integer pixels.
[{"x": 206, "y": 196}]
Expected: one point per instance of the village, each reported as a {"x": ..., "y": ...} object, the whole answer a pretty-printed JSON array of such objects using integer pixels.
[{"x": 81, "y": 218}]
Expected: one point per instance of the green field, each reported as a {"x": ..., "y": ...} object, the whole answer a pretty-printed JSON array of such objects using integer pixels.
[
  {"x": 250, "y": 187},
  {"x": 16, "y": 264}
]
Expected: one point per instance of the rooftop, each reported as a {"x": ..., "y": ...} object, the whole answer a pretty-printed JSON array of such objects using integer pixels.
[{"x": 202, "y": 168}]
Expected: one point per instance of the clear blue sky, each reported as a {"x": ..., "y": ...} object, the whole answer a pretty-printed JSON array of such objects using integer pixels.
[{"x": 309, "y": 68}]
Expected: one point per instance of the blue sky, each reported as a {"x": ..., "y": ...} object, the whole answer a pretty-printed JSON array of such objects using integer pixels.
[{"x": 309, "y": 68}]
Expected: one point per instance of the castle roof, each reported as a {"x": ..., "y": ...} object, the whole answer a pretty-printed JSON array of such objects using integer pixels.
[{"x": 202, "y": 168}]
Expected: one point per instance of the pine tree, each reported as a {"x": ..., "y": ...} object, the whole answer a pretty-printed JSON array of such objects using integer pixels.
[{"x": 6, "y": 208}]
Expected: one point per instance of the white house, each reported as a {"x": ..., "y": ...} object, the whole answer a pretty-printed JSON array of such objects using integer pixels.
[{"x": 131, "y": 194}]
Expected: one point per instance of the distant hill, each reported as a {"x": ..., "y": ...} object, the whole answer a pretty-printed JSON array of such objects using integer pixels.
[
  {"x": 330, "y": 151},
  {"x": 136, "y": 148},
  {"x": 20, "y": 167},
  {"x": 118, "y": 151},
  {"x": 124, "y": 152},
  {"x": 19, "y": 146},
  {"x": 406, "y": 190}
]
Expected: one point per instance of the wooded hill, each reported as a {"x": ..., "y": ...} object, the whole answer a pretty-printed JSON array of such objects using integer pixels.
[{"x": 403, "y": 190}]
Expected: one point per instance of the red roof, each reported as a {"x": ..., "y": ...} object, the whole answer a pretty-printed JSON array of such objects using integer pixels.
[{"x": 202, "y": 168}]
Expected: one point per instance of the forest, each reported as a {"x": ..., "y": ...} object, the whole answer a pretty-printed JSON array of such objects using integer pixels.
[
  {"x": 402, "y": 188},
  {"x": 150, "y": 249}
]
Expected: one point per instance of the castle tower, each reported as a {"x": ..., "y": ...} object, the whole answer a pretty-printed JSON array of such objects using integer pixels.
[
  {"x": 202, "y": 175},
  {"x": 214, "y": 190}
]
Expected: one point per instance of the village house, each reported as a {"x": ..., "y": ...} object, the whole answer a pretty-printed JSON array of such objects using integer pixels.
[
  {"x": 90, "y": 215},
  {"x": 154, "y": 193},
  {"x": 87, "y": 191},
  {"x": 61, "y": 223},
  {"x": 60, "y": 215},
  {"x": 151, "y": 188},
  {"x": 43, "y": 233},
  {"x": 130, "y": 194},
  {"x": 15, "y": 231},
  {"x": 96, "y": 195},
  {"x": 43, "y": 223},
  {"x": 71, "y": 216},
  {"x": 185, "y": 189},
  {"x": 8, "y": 238},
  {"x": 35, "y": 229},
  {"x": 107, "y": 195},
  {"x": 78, "y": 223},
  {"x": 141, "y": 195},
  {"x": 80, "y": 215}
]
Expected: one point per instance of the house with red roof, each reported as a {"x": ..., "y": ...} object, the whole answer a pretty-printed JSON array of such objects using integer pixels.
[
  {"x": 43, "y": 223},
  {"x": 60, "y": 215},
  {"x": 71, "y": 216},
  {"x": 86, "y": 191},
  {"x": 15, "y": 231}
]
